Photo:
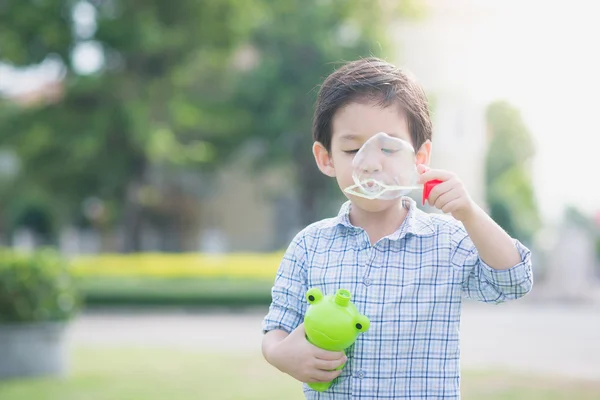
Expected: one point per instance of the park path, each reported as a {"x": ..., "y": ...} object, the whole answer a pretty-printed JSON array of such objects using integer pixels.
[{"x": 524, "y": 337}]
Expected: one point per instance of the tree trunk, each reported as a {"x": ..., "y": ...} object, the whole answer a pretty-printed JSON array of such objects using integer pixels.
[
  {"x": 133, "y": 215},
  {"x": 312, "y": 184}
]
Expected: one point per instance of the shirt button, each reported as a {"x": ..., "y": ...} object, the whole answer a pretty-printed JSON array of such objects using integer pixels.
[
  {"x": 360, "y": 374},
  {"x": 367, "y": 281}
]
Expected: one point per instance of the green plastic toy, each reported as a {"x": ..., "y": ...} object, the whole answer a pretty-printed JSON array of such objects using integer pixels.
[{"x": 332, "y": 323}]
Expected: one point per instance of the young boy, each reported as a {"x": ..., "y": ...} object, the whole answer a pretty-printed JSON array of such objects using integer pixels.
[{"x": 407, "y": 270}]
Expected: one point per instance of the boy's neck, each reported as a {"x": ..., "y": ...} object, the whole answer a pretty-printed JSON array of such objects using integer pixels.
[{"x": 379, "y": 224}]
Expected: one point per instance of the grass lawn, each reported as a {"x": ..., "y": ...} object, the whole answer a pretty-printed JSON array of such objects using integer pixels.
[{"x": 153, "y": 374}]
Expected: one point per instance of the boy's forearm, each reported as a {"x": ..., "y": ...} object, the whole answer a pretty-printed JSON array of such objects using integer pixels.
[
  {"x": 270, "y": 340},
  {"x": 496, "y": 248}
]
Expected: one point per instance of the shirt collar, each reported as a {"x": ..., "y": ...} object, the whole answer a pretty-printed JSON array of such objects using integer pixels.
[{"x": 416, "y": 223}]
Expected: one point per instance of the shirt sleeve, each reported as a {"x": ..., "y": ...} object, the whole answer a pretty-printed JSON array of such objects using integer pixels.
[
  {"x": 484, "y": 283},
  {"x": 288, "y": 305}
]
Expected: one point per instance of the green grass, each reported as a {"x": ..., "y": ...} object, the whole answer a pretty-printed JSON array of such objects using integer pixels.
[
  {"x": 153, "y": 374},
  {"x": 175, "y": 291}
]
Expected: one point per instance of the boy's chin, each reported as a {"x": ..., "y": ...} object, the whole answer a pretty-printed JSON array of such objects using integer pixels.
[{"x": 373, "y": 205}]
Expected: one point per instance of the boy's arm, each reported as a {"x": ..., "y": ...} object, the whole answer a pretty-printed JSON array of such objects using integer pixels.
[
  {"x": 270, "y": 340},
  {"x": 288, "y": 305},
  {"x": 294, "y": 355},
  {"x": 496, "y": 248},
  {"x": 284, "y": 343},
  {"x": 498, "y": 266}
]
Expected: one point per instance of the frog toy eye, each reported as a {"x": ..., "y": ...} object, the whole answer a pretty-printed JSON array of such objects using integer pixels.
[
  {"x": 313, "y": 295},
  {"x": 362, "y": 323}
]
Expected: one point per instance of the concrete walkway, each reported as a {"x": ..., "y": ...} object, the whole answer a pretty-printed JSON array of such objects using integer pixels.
[{"x": 538, "y": 338}]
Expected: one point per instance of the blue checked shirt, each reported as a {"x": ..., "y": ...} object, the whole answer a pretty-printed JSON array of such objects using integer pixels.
[{"x": 410, "y": 284}]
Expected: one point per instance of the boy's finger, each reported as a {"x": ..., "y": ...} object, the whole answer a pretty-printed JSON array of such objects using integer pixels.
[
  {"x": 445, "y": 199},
  {"x": 439, "y": 190},
  {"x": 422, "y": 168},
  {"x": 327, "y": 365},
  {"x": 326, "y": 376},
  {"x": 451, "y": 206},
  {"x": 435, "y": 174},
  {"x": 329, "y": 355}
]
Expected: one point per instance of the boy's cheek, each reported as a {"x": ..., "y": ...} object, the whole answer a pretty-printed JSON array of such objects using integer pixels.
[
  {"x": 344, "y": 179},
  {"x": 345, "y": 173}
]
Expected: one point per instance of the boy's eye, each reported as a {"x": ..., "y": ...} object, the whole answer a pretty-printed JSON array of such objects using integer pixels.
[
  {"x": 351, "y": 151},
  {"x": 389, "y": 151}
]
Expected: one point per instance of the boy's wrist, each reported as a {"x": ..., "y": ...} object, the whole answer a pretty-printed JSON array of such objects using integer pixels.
[{"x": 471, "y": 214}]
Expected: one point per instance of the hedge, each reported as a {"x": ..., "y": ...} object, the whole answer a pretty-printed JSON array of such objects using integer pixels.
[{"x": 159, "y": 279}]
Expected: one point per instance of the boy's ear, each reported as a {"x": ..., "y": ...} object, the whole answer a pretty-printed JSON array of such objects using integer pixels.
[
  {"x": 424, "y": 153},
  {"x": 323, "y": 159}
]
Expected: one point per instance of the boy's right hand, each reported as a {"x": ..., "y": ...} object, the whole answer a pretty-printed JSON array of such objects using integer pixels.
[{"x": 297, "y": 357}]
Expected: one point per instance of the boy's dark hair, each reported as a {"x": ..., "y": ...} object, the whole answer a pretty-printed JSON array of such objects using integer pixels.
[{"x": 371, "y": 79}]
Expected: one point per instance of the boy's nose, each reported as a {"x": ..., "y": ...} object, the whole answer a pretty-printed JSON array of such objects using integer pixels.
[{"x": 370, "y": 166}]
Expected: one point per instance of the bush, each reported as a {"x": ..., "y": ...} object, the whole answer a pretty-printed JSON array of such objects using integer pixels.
[
  {"x": 36, "y": 287},
  {"x": 181, "y": 292},
  {"x": 167, "y": 265}
]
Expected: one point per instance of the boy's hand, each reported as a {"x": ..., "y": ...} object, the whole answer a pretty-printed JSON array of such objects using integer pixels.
[
  {"x": 298, "y": 358},
  {"x": 450, "y": 196}
]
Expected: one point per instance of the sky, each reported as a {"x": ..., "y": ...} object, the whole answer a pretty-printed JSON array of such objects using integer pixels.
[
  {"x": 549, "y": 67},
  {"x": 542, "y": 56}
]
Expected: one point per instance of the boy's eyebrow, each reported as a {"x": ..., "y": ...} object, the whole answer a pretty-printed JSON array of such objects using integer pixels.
[{"x": 350, "y": 136}]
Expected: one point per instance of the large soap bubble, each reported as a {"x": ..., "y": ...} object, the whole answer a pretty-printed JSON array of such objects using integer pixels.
[{"x": 385, "y": 168}]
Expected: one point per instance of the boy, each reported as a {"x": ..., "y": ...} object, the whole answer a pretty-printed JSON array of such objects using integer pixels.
[{"x": 407, "y": 270}]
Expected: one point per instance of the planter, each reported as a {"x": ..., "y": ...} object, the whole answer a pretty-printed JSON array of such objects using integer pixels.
[{"x": 33, "y": 349}]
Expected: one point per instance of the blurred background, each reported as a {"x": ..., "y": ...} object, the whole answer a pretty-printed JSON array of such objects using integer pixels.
[{"x": 155, "y": 163}]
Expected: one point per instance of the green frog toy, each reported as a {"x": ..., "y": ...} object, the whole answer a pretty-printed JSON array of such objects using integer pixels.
[{"x": 332, "y": 323}]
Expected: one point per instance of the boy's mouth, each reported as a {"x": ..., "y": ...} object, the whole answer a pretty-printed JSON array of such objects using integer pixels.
[
  {"x": 324, "y": 335},
  {"x": 371, "y": 186}
]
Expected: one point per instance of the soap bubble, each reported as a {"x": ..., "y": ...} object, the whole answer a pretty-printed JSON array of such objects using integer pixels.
[{"x": 384, "y": 168}]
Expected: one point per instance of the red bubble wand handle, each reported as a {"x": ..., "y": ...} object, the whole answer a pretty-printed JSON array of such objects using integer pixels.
[{"x": 428, "y": 187}]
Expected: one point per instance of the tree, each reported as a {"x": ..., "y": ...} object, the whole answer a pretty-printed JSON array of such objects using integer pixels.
[
  {"x": 174, "y": 92},
  {"x": 297, "y": 44},
  {"x": 509, "y": 187},
  {"x": 158, "y": 99}
]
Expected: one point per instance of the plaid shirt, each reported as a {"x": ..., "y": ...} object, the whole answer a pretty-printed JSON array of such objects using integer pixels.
[{"x": 410, "y": 284}]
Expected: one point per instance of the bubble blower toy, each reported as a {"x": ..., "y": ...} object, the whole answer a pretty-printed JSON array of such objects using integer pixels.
[
  {"x": 385, "y": 168},
  {"x": 332, "y": 323}
]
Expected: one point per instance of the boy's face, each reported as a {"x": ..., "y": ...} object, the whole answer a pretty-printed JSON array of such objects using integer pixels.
[{"x": 352, "y": 126}]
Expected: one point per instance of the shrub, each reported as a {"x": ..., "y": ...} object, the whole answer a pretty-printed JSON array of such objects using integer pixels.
[{"x": 36, "y": 287}]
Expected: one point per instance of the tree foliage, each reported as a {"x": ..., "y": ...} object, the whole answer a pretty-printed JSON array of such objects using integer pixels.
[
  {"x": 181, "y": 87},
  {"x": 510, "y": 193}
]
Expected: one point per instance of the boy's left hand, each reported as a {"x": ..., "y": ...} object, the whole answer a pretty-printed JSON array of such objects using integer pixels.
[{"x": 450, "y": 196}]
